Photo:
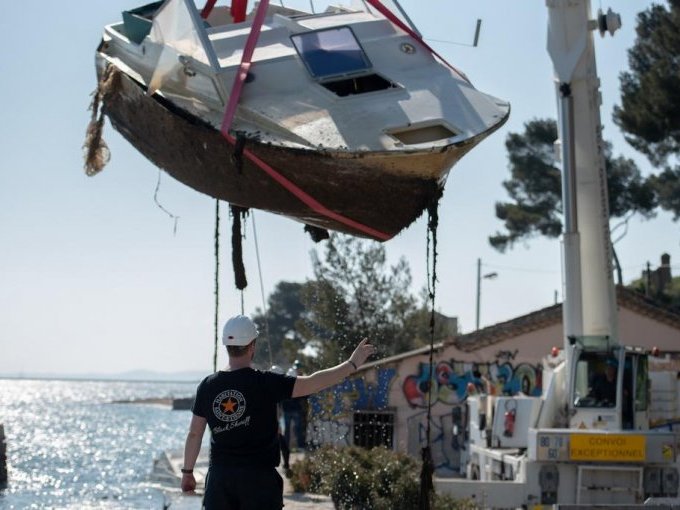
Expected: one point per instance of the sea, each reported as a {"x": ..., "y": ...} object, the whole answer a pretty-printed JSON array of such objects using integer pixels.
[{"x": 75, "y": 444}]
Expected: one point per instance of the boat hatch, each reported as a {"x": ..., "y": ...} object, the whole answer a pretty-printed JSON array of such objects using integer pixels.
[
  {"x": 334, "y": 57},
  {"x": 331, "y": 53},
  {"x": 422, "y": 134}
]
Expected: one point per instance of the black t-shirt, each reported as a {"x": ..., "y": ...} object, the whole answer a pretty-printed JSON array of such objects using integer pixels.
[{"x": 240, "y": 408}]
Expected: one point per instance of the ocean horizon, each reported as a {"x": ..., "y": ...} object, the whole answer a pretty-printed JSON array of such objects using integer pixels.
[
  {"x": 88, "y": 444},
  {"x": 127, "y": 376}
]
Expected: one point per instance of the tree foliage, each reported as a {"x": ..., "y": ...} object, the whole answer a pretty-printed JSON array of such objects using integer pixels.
[
  {"x": 535, "y": 186},
  {"x": 354, "y": 294},
  {"x": 649, "y": 114},
  {"x": 278, "y": 325},
  {"x": 669, "y": 296},
  {"x": 650, "y": 92}
]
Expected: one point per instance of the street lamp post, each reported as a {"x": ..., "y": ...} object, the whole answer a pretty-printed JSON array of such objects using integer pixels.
[{"x": 487, "y": 276}]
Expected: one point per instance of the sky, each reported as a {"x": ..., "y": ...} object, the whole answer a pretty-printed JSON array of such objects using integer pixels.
[{"x": 95, "y": 279}]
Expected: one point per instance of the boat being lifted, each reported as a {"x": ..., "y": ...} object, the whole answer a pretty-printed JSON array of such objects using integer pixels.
[{"x": 344, "y": 120}]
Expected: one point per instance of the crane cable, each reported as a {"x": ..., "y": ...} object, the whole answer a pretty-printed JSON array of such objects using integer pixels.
[
  {"x": 265, "y": 313},
  {"x": 217, "y": 279}
]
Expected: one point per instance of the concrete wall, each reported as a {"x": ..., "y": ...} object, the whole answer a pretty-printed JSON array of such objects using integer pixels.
[{"x": 636, "y": 329}]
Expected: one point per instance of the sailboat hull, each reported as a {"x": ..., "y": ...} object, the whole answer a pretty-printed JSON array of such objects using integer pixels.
[{"x": 368, "y": 194}]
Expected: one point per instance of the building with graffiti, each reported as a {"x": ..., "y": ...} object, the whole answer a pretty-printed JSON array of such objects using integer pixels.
[{"x": 386, "y": 402}]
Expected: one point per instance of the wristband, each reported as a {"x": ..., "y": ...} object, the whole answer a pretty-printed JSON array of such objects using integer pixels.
[
  {"x": 353, "y": 364},
  {"x": 186, "y": 471}
]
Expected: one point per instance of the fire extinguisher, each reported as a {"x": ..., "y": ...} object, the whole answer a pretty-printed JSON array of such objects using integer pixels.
[{"x": 510, "y": 415}]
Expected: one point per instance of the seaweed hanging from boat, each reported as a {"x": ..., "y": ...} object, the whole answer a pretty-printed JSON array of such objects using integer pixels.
[
  {"x": 237, "y": 155},
  {"x": 237, "y": 214},
  {"x": 427, "y": 469},
  {"x": 317, "y": 234},
  {"x": 97, "y": 153}
]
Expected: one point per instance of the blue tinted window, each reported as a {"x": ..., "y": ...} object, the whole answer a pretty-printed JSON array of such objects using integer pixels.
[{"x": 332, "y": 52}]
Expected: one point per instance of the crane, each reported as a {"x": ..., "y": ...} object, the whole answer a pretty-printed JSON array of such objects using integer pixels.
[{"x": 587, "y": 439}]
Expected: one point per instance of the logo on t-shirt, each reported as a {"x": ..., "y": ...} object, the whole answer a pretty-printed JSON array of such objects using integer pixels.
[{"x": 229, "y": 405}]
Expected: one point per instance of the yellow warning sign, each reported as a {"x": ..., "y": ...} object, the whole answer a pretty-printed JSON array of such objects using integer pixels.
[
  {"x": 607, "y": 447},
  {"x": 667, "y": 451}
]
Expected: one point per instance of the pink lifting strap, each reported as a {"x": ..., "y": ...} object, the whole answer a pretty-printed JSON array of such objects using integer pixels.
[
  {"x": 207, "y": 9},
  {"x": 246, "y": 60},
  {"x": 396, "y": 21},
  {"x": 237, "y": 11},
  {"x": 230, "y": 111},
  {"x": 308, "y": 200}
]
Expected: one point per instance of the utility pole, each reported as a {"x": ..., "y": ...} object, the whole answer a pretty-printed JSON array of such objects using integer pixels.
[
  {"x": 487, "y": 276},
  {"x": 479, "y": 288}
]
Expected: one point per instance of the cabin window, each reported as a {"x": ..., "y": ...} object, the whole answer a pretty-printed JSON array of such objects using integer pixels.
[
  {"x": 641, "y": 389},
  {"x": 331, "y": 53},
  {"x": 374, "y": 428},
  {"x": 595, "y": 382}
]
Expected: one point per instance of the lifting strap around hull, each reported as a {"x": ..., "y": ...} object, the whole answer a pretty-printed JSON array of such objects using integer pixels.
[
  {"x": 230, "y": 111},
  {"x": 238, "y": 9}
]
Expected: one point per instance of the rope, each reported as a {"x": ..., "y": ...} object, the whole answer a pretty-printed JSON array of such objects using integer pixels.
[
  {"x": 160, "y": 206},
  {"x": 264, "y": 303},
  {"x": 427, "y": 470},
  {"x": 396, "y": 21},
  {"x": 217, "y": 280}
]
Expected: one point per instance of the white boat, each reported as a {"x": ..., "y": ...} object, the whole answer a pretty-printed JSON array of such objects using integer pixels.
[{"x": 346, "y": 120}]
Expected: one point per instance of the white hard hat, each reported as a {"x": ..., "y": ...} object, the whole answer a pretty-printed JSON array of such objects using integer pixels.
[{"x": 239, "y": 330}]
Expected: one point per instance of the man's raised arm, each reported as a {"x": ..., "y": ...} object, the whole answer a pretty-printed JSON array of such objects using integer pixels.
[{"x": 306, "y": 385}]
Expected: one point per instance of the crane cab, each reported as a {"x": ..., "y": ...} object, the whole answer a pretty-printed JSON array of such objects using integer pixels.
[{"x": 609, "y": 388}]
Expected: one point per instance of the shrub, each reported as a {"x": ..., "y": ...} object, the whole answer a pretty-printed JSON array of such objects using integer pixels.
[{"x": 360, "y": 479}]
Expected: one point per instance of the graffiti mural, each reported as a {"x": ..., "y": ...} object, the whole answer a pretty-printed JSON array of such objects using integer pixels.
[
  {"x": 446, "y": 445},
  {"x": 353, "y": 395},
  {"x": 328, "y": 432},
  {"x": 329, "y": 410},
  {"x": 450, "y": 380}
]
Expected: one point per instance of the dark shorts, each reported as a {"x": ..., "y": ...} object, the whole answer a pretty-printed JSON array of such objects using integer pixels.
[{"x": 243, "y": 488}]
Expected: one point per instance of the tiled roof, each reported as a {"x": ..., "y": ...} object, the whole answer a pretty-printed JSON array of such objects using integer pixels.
[
  {"x": 636, "y": 302},
  {"x": 509, "y": 329},
  {"x": 551, "y": 315}
]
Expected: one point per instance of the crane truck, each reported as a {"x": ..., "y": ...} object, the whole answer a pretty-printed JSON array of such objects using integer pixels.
[{"x": 586, "y": 441}]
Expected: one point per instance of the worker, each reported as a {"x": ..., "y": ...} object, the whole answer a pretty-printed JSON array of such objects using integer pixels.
[
  {"x": 239, "y": 405},
  {"x": 294, "y": 414},
  {"x": 603, "y": 387},
  {"x": 283, "y": 442}
]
